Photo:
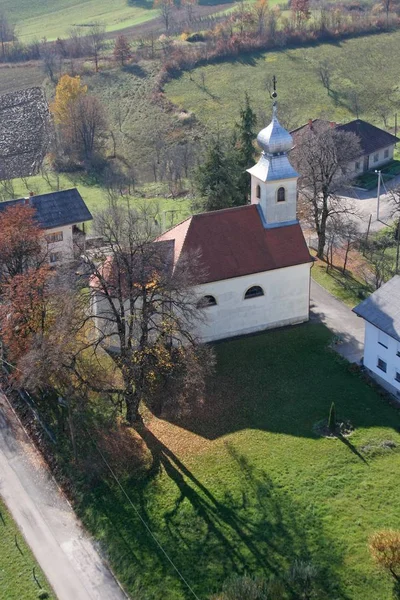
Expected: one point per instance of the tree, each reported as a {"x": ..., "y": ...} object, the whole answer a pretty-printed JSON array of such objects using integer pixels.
[
  {"x": 7, "y": 32},
  {"x": 384, "y": 547},
  {"x": 165, "y": 8},
  {"x": 380, "y": 263},
  {"x": 261, "y": 11},
  {"x": 97, "y": 40},
  {"x": 21, "y": 244},
  {"x": 301, "y": 11},
  {"x": 216, "y": 178},
  {"x": 189, "y": 8},
  {"x": 68, "y": 91},
  {"x": 322, "y": 155},
  {"x": 325, "y": 70},
  {"x": 244, "y": 149},
  {"x": 142, "y": 305},
  {"x": 122, "y": 50},
  {"x": 89, "y": 126}
]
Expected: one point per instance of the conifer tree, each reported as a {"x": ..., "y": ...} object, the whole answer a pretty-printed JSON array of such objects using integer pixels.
[
  {"x": 244, "y": 136},
  {"x": 216, "y": 178}
]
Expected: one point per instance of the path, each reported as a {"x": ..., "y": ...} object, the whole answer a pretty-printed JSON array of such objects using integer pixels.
[
  {"x": 341, "y": 321},
  {"x": 64, "y": 551}
]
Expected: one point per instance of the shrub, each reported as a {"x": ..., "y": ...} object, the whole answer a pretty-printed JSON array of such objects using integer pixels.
[{"x": 384, "y": 547}]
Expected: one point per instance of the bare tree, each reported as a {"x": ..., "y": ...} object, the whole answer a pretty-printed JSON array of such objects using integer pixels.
[
  {"x": 165, "y": 8},
  {"x": 50, "y": 59},
  {"x": 97, "y": 40},
  {"x": 325, "y": 71},
  {"x": 89, "y": 126},
  {"x": 380, "y": 263},
  {"x": 145, "y": 310},
  {"x": 322, "y": 155},
  {"x": 7, "y": 32}
]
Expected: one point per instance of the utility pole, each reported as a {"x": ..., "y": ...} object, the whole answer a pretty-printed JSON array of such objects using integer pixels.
[
  {"x": 378, "y": 194},
  {"x": 395, "y": 124}
]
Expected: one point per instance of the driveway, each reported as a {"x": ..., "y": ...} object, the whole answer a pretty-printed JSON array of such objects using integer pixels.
[
  {"x": 340, "y": 319},
  {"x": 64, "y": 551}
]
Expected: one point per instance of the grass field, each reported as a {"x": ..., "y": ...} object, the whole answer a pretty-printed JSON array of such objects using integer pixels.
[
  {"x": 346, "y": 288},
  {"x": 19, "y": 77},
  {"x": 16, "y": 564},
  {"x": 244, "y": 484},
  {"x": 359, "y": 66}
]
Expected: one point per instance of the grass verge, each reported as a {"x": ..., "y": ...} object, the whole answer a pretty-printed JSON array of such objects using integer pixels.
[{"x": 344, "y": 286}]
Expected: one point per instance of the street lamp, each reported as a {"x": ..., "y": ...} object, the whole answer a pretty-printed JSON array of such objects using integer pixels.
[{"x": 378, "y": 194}]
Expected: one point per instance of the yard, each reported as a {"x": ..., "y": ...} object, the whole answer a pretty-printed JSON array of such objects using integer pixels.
[
  {"x": 17, "y": 563},
  {"x": 243, "y": 484}
]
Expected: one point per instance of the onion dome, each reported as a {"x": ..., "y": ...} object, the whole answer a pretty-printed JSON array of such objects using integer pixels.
[{"x": 274, "y": 139}]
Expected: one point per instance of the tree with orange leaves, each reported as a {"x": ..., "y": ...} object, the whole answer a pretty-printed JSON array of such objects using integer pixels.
[
  {"x": 68, "y": 91},
  {"x": 20, "y": 241}
]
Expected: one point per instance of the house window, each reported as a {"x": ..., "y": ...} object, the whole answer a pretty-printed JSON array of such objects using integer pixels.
[
  {"x": 207, "y": 301},
  {"x": 383, "y": 340},
  {"x": 376, "y": 157},
  {"x": 253, "y": 292},
  {"x": 57, "y": 236},
  {"x": 280, "y": 195},
  {"x": 398, "y": 350},
  {"x": 55, "y": 257},
  {"x": 258, "y": 192},
  {"x": 397, "y": 377},
  {"x": 357, "y": 166},
  {"x": 382, "y": 365},
  {"x": 386, "y": 153}
]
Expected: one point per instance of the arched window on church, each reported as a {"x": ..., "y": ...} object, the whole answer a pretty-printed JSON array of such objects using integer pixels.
[
  {"x": 258, "y": 192},
  {"x": 207, "y": 301},
  {"x": 253, "y": 292},
  {"x": 281, "y": 195}
]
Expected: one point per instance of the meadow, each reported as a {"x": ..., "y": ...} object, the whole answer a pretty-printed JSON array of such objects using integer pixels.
[
  {"x": 16, "y": 564},
  {"x": 244, "y": 484},
  {"x": 364, "y": 79}
]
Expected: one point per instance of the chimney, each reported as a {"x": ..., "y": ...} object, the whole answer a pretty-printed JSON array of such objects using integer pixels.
[
  {"x": 27, "y": 201},
  {"x": 332, "y": 124},
  {"x": 310, "y": 123},
  {"x": 31, "y": 194}
]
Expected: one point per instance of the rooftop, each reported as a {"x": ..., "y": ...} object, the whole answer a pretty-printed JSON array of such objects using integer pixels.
[
  {"x": 382, "y": 308},
  {"x": 24, "y": 132},
  {"x": 233, "y": 242},
  {"x": 55, "y": 209}
]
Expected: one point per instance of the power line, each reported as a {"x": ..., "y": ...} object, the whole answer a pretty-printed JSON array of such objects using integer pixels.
[{"x": 133, "y": 506}]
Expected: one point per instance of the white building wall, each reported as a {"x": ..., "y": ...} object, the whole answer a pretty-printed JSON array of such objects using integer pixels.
[
  {"x": 285, "y": 301},
  {"x": 275, "y": 212},
  {"x": 374, "y": 349},
  {"x": 65, "y": 247},
  {"x": 381, "y": 158}
]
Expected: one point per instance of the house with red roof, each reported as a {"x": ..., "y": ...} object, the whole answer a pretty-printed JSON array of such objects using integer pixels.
[{"x": 255, "y": 258}]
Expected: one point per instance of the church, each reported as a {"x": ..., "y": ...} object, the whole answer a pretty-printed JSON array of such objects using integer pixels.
[{"x": 256, "y": 261}]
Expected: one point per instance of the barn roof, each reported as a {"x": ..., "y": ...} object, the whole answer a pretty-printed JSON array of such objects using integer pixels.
[
  {"x": 55, "y": 209},
  {"x": 24, "y": 132},
  {"x": 234, "y": 242},
  {"x": 382, "y": 308}
]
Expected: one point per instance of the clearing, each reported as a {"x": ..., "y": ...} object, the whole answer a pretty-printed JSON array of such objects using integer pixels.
[{"x": 244, "y": 484}]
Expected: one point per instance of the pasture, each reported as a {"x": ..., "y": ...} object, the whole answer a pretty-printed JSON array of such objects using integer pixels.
[
  {"x": 244, "y": 484},
  {"x": 363, "y": 80}
]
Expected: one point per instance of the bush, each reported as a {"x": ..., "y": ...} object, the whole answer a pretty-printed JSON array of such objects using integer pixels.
[
  {"x": 42, "y": 595},
  {"x": 384, "y": 546}
]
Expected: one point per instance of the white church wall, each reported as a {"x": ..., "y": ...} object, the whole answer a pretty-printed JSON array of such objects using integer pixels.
[
  {"x": 285, "y": 301},
  {"x": 274, "y": 211}
]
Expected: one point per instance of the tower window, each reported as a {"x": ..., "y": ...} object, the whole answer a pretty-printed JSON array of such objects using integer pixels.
[
  {"x": 207, "y": 301},
  {"x": 281, "y": 195},
  {"x": 258, "y": 192},
  {"x": 253, "y": 292}
]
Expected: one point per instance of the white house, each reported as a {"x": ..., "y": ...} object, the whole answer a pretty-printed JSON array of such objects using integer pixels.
[
  {"x": 377, "y": 145},
  {"x": 381, "y": 313},
  {"x": 62, "y": 215},
  {"x": 256, "y": 260}
]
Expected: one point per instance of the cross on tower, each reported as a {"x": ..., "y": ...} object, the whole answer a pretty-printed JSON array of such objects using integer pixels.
[{"x": 274, "y": 93}]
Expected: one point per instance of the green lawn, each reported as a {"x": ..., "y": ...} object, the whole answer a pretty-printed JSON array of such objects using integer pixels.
[
  {"x": 17, "y": 563},
  {"x": 243, "y": 484},
  {"x": 345, "y": 287},
  {"x": 359, "y": 66}
]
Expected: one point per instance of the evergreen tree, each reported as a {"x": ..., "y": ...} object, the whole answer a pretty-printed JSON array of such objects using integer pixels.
[
  {"x": 243, "y": 140},
  {"x": 216, "y": 178}
]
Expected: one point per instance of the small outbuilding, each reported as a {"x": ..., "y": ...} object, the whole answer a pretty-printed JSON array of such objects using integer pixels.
[{"x": 381, "y": 313}]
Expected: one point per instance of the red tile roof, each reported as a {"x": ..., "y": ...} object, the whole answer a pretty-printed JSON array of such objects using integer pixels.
[{"x": 234, "y": 242}]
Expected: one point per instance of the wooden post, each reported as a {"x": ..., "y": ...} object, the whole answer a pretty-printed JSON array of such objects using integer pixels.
[{"x": 367, "y": 234}]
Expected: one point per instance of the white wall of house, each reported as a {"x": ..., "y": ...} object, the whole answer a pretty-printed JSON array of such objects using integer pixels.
[
  {"x": 59, "y": 250},
  {"x": 382, "y": 352},
  {"x": 373, "y": 161},
  {"x": 274, "y": 211},
  {"x": 285, "y": 302}
]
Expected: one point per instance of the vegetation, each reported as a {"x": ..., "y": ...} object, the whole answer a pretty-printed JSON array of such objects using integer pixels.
[
  {"x": 384, "y": 546},
  {"x": 332, "y": 418},
  {"x": 17, "y": 564}
]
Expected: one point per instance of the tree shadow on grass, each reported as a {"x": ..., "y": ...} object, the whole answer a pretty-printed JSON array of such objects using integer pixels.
[
  {"x": 240, "y": 524},
  {"x": 282, "y": 381}
]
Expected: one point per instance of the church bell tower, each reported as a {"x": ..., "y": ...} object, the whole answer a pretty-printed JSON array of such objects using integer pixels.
[{"x": 273, "y": 179}]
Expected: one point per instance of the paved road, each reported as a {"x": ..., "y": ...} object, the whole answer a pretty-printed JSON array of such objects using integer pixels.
[
  {"x": 341, "y": 320},
  {"x": 64, "y": 551}
]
